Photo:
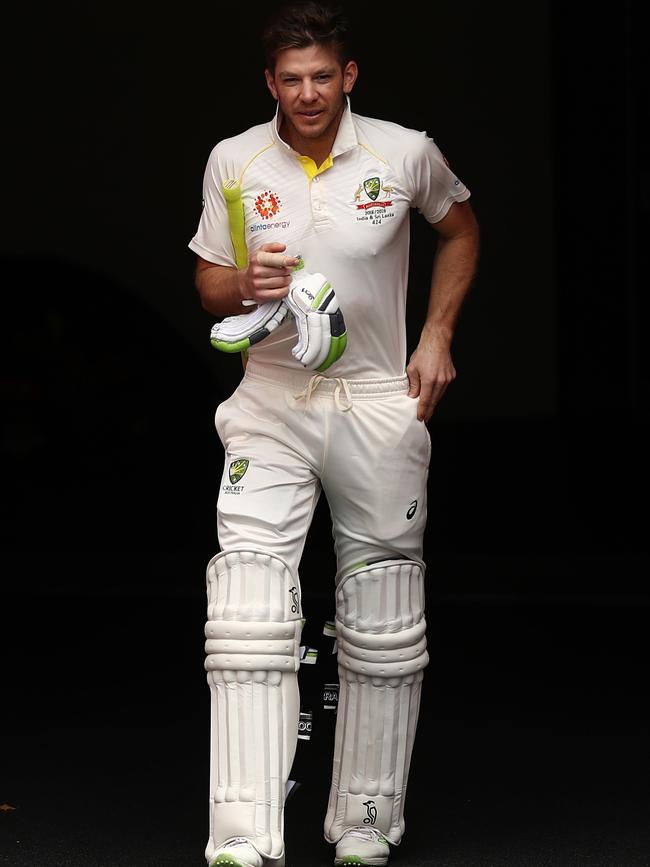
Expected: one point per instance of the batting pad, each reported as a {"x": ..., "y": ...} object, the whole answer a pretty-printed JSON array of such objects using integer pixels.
[
  {"x": 381, "y": 656},
  {"x": 252, "y": 647}
]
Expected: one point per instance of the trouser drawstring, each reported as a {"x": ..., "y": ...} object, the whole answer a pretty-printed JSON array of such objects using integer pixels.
[{"x": 341, "y": 386}]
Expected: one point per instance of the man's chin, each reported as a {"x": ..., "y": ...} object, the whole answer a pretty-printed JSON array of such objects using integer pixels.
[{"x": 311, "y": 130}]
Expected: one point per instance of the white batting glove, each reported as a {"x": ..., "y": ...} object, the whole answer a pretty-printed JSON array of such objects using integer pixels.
[
  {"x": 238, "y": 333},
  {"x": 322, "y": 336}
]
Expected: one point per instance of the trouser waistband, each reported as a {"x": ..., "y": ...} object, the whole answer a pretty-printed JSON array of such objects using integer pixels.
[{"x": 285, "y": 377}]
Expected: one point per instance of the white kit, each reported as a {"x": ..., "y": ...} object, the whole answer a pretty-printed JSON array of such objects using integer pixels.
[{"x": 308, "y": 418}]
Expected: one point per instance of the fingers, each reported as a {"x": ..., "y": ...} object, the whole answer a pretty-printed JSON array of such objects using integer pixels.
[
  {"x": 276, "y": 259},
  {"x": 414, "y": 382},
  {"x": 428, "y": 393},
  {"x": 429, "y": 399},
  {"x": 269, "y": 273}
]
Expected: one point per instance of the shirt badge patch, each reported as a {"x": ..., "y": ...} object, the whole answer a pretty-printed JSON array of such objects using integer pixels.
[{"x": 372, "y": 198}]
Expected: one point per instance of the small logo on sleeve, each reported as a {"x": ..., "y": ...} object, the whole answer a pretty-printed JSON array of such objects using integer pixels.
[{"x": 412, "y": 510}]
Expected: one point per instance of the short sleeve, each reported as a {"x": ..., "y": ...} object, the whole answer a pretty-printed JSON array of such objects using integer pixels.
[
  {"x": 212, "y": 239},
  {"x": 432, "y": 184}
]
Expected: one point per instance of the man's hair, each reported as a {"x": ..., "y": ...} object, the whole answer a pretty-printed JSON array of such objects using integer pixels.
[{"x": 301, "y": 23}]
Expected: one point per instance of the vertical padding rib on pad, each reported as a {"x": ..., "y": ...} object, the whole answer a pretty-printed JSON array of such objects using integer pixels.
[
  {"x": 253, "y": 654},
  {"x": 381, "y": 654}
]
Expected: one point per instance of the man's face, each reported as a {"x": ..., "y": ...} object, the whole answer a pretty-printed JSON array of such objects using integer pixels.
[{"x": 311, "y": 86}]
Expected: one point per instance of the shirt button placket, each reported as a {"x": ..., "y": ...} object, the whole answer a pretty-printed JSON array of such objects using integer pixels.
[{"x": 318, "y": 205}]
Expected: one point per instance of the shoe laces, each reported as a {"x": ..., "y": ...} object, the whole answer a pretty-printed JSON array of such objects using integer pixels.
[
  {"x": 370, "y": 834},
  {"x": 233, "y": 842}
]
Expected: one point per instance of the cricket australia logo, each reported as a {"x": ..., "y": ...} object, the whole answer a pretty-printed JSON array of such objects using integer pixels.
[
  {"x": 371, "y": 809},
  {"x": 372, "y": 198},
  {"x": 237, "y": 470}
]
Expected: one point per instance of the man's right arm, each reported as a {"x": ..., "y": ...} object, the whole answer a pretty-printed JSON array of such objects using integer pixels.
[
  {"x": 219, "y": 288},
  {"x": 223, "y": 289}
]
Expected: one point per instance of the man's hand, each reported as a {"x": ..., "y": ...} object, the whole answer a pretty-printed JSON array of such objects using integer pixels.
[
  {"x": 430, "y": 370},
  {"x": 267, "y": 275},
  {"x": 309, "y": 300}
]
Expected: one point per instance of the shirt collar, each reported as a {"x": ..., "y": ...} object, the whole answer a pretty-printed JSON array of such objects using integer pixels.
[{"x": 346, "y": 136}]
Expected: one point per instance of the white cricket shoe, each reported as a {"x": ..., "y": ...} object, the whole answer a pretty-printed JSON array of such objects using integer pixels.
[
  {"x": 239, "y": 852},
  {"x": 362, "y": 847}
]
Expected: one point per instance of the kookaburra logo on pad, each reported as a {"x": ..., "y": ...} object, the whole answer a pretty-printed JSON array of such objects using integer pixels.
[{"x": 371, "y": 818}]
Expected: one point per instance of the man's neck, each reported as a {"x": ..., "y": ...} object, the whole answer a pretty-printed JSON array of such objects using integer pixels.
[{"x": 316, "y": 149}]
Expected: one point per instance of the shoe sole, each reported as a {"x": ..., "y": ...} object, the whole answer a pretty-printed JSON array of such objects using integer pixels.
[
  {"x": 356, "y": 861},
  {"x": 229, "y": 861}
]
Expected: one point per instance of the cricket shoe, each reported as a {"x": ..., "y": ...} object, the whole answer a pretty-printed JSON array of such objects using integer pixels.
[
  {"x": 240, "y": 852},
  {"x": 362, "y": 847}
]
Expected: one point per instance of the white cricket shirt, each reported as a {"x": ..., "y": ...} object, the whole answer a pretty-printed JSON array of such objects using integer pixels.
[{"x": 350, "y": 222}]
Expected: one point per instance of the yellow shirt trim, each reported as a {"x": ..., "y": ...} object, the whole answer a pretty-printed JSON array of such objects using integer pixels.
[{"x": 310, "y": 167}]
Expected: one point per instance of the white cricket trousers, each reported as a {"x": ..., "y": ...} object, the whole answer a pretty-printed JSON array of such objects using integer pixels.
[{"x": 289, "y": 434}]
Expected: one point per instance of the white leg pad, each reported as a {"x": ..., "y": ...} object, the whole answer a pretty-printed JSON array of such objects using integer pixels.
[
  {"x": 381, "y": 656},
  {"x": 253, "y": 655}
]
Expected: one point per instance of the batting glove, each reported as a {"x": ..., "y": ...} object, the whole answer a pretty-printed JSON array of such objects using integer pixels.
[
  {"x": 322, "y": 335},
  {"x": 238, "y": 333}
]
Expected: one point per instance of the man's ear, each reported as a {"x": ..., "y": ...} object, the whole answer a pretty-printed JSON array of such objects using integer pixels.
[
  {"x": 270, "y": 83},
  {"x": 349, "y": 76}
]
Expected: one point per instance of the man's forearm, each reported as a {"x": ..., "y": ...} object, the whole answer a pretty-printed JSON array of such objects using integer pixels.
[
  {"x": 454, "y": 269},
  {"x": 219, "y": 289}
]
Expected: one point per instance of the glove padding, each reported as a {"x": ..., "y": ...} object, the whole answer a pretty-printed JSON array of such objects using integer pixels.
[
  {"x": 311, "y": 301},
  {"x": 238, "y": 333},
  {"x": 322, "y": 336}
]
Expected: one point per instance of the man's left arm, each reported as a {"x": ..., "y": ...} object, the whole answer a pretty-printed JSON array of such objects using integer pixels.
[{"x": 431, "y": 369}]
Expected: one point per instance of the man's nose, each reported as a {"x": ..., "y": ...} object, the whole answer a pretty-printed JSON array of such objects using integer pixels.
[{"x": 308, "y": 91}]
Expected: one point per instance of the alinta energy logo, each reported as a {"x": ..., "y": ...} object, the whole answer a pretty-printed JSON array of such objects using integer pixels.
[{"x": 268, "y": 205}]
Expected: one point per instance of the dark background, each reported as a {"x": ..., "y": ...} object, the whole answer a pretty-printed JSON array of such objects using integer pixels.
[{"x": 531, "y": 748}]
